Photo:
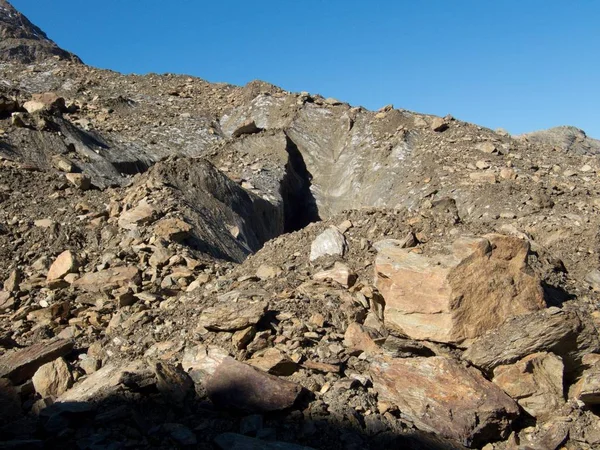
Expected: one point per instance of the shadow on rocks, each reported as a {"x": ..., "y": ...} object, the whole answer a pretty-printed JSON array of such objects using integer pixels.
[{"x": 141, "y": 417}]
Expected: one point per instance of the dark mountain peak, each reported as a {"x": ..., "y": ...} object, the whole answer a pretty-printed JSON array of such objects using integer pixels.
[{"x": 22, "y": 41}]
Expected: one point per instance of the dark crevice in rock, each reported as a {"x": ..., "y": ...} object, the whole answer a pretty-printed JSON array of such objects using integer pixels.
[{"x": 299, "y": 205}]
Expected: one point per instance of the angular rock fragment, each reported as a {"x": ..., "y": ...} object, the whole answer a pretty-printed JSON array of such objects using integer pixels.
[
  {"x": 143, "y": 213},
  {"x": 20, "y": 366},
  {"x": 47, "y": 101},
  {"x": 535, "y": 382},
  {"x": 239, "y": 386},
  {"x": 450, "y": 298},
  {"x": 340, "y": 273},
  {"x": 440, "y": 395},
  {"x": 103, "y": 383},
  {"x": 79, "y": 180},
  {"x": 552, "y": 330},
  {"x": 330, "y": 242},
  {"x": 587, "y": 389},
  {"x": 52, "y": 379},
  {"x": 439, "y": 124},
  {"x": 108, "y": 279},
  {"x": 274, "y": 362},
  {"x": 173, "y": 229},
  {"x": 225, "y": 316},
  {"x": 64, "y": 264}
]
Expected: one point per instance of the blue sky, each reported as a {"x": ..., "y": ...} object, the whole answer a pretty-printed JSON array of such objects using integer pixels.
[{"x": 520, "y": 65}]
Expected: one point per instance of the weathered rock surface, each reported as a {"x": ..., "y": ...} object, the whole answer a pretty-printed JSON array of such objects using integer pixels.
[
  {"x": 331, "y": 242},
  {"x": 108, "y": 279},
  {"x": 535, "y": 382},
  {"x": 450, "y": 298},
  {"x": 587, "y": 388},
  {"x": 21, "y": 365},
  {"x": 64, "y": 264},
  {"x": 553, "y": 330},
  {"x": 438, "y": 394},
  {"x": 52, "y": 379},
  {"x": 232, "y": 316}
]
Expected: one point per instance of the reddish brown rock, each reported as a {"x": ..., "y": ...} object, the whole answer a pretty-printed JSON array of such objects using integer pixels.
[
  {"x": 440, "y": 395},
  {"x": 457, "y": 296},
  {"x": 173, "y": 229}
]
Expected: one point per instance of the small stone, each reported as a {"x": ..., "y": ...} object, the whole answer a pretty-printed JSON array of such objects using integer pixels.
[
  {"x": 79, "y": 180},
  {"x": 274, "y": 362},
  {"x": 482, "y": 165},
  {"x": 142, "y": 214},
  {"x": 340, "y": 273},
  {"x": 486, "y": 147},
  {"x": 52, "y": 379},
  {"x": 267, "y": 272},
  {"x": 175, "y": 230},
  {"x": 12, "y": 283},
  {"x": 64, "y": 263}
]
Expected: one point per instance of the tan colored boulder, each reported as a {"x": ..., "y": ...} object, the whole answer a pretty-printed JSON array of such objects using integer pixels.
[
  {"x": 340, "y": 273},
  {"x": 52, "y": 379},
  {"x": 142, "y": 214},
  {"x": 47, "y": 101},
  {"x": 358, "y": 339},
  {"x": 274, "y": 362},
  {"x": 267, "y": 272},
  {"x": 79, "y": 180},
  {"x": 64, "y": 264},
  {"x": 439, "y": 124},
  {"x": 232, "y": 316},
  {"x": 108, "y": 279},
  {"x": 453, "y": 297},
  {"x": 535, "y": 382},
  {"x": 440, "y": 395},
  {"x": 173, "y": 229}
]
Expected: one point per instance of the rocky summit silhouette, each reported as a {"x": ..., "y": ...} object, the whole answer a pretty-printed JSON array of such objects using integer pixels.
[{"x": 197, "y": 265}]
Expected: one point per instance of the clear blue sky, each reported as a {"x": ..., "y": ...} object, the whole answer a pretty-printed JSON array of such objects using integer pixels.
[{"x": 521, "y": 65}]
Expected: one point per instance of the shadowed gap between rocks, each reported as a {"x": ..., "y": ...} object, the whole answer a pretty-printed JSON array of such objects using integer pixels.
[
  {"x": 299, "y": 204},
  {"x": 142, "y": 417}
]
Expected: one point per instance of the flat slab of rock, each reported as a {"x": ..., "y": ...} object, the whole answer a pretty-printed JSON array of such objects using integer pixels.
[
  {"x": 329, "y": 243},
  {"x": 108, "y": 279},
  {"x": 552, "y": 330},
  {"x": 21, "y": 365},
  {"x": 100, "y": 384},
  {"x": 452, "y": 297},
  {"x": 535, "y": 382},
  {"x": 235, "y": 385},
  {"x": 232, "y": 316},
  {"x": 440, "y": 395}
]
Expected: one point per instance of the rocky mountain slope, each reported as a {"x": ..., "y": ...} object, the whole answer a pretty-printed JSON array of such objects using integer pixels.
[{"x": 200, "y": 265}]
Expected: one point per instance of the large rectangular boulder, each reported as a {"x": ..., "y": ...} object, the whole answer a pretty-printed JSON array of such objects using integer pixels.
[{"x": 458, "y": 293}]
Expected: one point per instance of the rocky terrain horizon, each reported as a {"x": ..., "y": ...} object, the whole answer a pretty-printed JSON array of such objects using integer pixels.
[{"x": 189, "y": 264}]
